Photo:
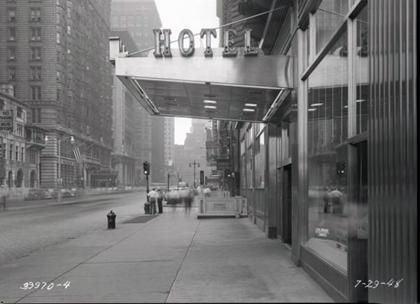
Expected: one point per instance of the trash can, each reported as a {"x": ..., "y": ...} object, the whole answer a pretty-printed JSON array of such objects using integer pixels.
[
  {"x": 147, "y": 208},
  {"x": 111, "y": 220}
]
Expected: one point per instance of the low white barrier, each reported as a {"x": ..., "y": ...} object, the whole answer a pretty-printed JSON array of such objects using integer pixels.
[{"x": 237, "y": 205}]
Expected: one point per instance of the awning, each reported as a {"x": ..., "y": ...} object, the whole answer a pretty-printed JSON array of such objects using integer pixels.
[{"x": 237, "y": 88}]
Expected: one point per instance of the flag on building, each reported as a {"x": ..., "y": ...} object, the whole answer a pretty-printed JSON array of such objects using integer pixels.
[{"x": 77, "y": 155}]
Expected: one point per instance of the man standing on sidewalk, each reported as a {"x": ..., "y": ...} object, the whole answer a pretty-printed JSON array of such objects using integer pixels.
[
  {"x": 153, "y": 197},
  {"x": 159, "y": 200}
]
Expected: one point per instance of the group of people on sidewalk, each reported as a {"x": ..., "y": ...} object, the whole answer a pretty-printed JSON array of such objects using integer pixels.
[
  {"x": 155, "y": 198},
  {"x": 155, "y": 202}
]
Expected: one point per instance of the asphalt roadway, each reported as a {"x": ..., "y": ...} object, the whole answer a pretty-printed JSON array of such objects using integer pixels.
[{"x": 26, "y": 229}]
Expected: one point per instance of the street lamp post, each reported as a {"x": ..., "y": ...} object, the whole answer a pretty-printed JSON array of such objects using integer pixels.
[
  {"x": 194, "y": 163},
  {"x": 177, "y": 180}
]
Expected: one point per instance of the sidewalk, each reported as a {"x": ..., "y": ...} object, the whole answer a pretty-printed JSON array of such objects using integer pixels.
[{"x": 171, "y": 258}]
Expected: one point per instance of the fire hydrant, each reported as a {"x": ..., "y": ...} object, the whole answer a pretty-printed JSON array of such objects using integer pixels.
[{"x": 111, "y": 219}]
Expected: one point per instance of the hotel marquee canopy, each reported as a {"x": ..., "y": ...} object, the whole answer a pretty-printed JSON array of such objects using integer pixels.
[{"x": 240, "y": 88}]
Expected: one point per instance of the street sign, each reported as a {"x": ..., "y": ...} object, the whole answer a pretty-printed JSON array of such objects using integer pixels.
[{"x": 6, "y": 120}]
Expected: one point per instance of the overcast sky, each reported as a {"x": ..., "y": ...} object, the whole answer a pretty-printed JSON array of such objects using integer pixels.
[{"x": 191, "y": 14}]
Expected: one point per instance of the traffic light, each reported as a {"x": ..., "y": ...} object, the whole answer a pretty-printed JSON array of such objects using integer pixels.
[
  {"x": 146, "y": 168},
  {"x": 201, "y": 177}
]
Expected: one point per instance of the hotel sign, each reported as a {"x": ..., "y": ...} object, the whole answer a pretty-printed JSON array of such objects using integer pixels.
[{"x": 163, "y": 43}]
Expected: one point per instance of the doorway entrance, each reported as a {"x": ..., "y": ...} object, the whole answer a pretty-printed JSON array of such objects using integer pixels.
[{"x": 287, "y": 205}]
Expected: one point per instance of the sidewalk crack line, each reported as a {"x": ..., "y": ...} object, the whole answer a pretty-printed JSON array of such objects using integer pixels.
[{"x": 182, "y": 262}]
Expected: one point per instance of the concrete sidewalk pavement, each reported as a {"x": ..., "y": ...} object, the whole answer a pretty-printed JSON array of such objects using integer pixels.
[{"x": 171, "y": 258}]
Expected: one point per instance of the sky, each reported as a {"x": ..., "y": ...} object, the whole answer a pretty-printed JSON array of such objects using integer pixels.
[{"x": 191, "y": 14}]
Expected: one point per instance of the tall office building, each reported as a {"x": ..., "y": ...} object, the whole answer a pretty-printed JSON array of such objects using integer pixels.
[
  {"x": 193, "y": 151},
  {"x": 127, "y": 114},
  {"x": 55, "y": 55},
  {"x": 139, "y": 18}
]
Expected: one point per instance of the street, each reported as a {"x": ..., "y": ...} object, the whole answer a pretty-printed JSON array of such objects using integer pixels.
[{"x": 23, "y": 231}]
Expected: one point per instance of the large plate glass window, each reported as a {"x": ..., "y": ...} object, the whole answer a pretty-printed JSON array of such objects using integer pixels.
[
  {"x": 329, "y": 16},
  {"x": 362, "y": 71},
  {"x": 327, "y": 156},
  {"x": 260, "y": 161}
]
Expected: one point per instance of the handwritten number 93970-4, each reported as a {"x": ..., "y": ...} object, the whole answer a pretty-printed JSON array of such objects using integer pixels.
[{"x": 43, "y": 285}]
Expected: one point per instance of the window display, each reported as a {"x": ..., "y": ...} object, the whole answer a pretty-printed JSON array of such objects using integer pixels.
[
  {"x": 328, "y": 209},
  {"x": 362, "y": 75}
]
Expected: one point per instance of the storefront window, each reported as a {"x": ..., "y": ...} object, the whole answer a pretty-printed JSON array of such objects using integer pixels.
[
  {"x": 243, "y": 177},
  {"x": 362, "y": 72},
  {"x": 329, "y": 16},
  {"x": 327, "y": 156},
  {"x": 259, "y": 161},
  {"x": 243, "y": 165}
]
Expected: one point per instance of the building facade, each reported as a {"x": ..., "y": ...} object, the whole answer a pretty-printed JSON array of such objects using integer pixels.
[
  {"x": 21, "y": 146},
  {"x": 329, "y": 174},
  {"x": 55, "y": 55},
  {"x": 126, "y": 154},
  {"x": 139, "y": 18},
  {"x": 191, "y": 158}
]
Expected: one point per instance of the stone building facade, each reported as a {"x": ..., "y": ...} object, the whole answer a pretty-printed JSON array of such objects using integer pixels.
[
  {"x": 55, "y": 55},
  {"x": 20, "y": 149}
]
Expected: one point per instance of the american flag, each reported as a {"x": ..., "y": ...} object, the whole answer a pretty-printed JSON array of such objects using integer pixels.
[{"x": 76, "y": 152}]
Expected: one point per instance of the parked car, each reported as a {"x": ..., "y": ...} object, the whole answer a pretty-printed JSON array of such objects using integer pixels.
[{"x": 172, "y": 197}]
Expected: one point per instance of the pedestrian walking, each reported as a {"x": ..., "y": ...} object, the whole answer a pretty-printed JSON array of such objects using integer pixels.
[
  {"x": 159, "y": 200},
  {"x": 188, "y": 202},
  {"x": 336, "y": 198},
  {"x": 153, "y": 196},
  {"x": 326, "y": 200}
]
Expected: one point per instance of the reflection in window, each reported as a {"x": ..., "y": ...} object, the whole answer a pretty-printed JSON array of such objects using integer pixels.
[
  {"x": 259, "y": 161},
  {"x": 11, "y": 15},
  {"x": 249, "y": 171},
  {"x": 327, "y": 158},
  {"x": 11, "y": 53},
  {"x": 12, "y": 34},
  {"x": 11, "y": 72},
  {"x": 35, "y": 15},
  {"x": 329, "y": 16},
  {"x": 243, "y": 177},
  {"x": 362, "y": 72}
]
